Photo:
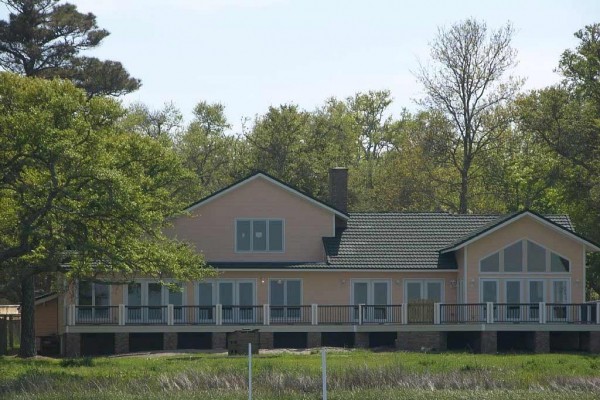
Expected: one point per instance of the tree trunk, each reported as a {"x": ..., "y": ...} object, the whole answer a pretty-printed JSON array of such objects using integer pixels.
[
  {"x": 464, "y": 192},
  {"x": 27, "y": 348},
  {"x": 3, "y": 335}
]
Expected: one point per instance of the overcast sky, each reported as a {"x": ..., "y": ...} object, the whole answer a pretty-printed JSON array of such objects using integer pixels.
[{"x": 249, "y": 54}]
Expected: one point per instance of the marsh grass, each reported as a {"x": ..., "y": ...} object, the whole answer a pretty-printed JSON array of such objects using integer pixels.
[{"x": 352, "y": 375}]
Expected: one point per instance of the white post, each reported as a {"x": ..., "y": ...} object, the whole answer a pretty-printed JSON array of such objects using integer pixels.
[
  {"x": 266, "y": 315},
  {"x": 170, "y": 314},
  {"x": 121, "y": 314},
  {"x": 542, "y": 312},
  {"x": 324, "y": 373},
  {"x": 249, "y": 371},
  {"x": 314, "y": 313},
  {"x": 437, "y": 314},
  {"x": 490, "y": 312},
  {"x": 360, "y": 314},
  {"x": 598, "y": 312},
  {"x": 219, "y": 312},
  {"x": 404, "y": 310}
]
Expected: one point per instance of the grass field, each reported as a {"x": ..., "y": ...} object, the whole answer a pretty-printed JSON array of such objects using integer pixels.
[{"x": 351, "y": 375}]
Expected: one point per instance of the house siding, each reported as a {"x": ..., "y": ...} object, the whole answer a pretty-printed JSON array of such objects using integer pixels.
[
  {"x": 46, "y": 318},
  {"x": 211, "y": 227}
]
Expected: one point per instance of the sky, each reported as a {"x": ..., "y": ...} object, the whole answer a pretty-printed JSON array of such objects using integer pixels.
[{"x": 251, "y": 54}]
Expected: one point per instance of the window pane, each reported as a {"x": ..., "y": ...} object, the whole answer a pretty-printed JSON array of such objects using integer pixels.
[
  {"x": 226, "y": 293},
  {"x": 85, "y": 293},
  {"x": 360, "y": 292},
  {"x": 380, "y": 293},
  {"x": 434, "y": 291},
  {"x": 176, "y": 297},
  {"x": 205, "y": 295},
  {"x": 413, "y": 291},
  {"x": 101, "y": 294},
  {"x": 536, "y": 291},
  {"x": 154, "y": 294},
  {"x": 559, "y": 289},
  {"x": 558, "y": 264},
  {"x": 490, "y": 291},
  {"x": 276, "y": 293},
  {"x": 293, "y": 293},
  {"x": 491, "y": 263},
  {"x": 513, "y": 292},
  {"x": 536, "y": 258},
  {"x": 259, "y": 235},
  {"x": 513, "y": 258},
  {"x": 246, "y": 294},
  {"x": 275, "y": 235},
  {"x": 243, "y": 236},
  {"x": 134, "y": 294}
]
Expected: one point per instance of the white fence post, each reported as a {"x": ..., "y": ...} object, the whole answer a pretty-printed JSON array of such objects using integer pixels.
[
  {"x": 266, "y": 315},
  {"x": 219, "y": 314},
  {"x": 437, "y": 314},
  {"x": 324, "y": 373},
  {"x": 170, "y": 314},
  {"x": 404, "y": 310},
  {"x": 249, "y": 371},
  {"x": 598, "y": 312},
  {"x": 121, "y": 314},
  {"x": 360, "y": 314},
  {"x": 542, "y": 312},
  {"x": 314, "y": 314},
  {"x": 490, "y": 312}
]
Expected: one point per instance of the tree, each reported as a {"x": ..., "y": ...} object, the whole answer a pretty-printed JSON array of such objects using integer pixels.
[
  {"x": 43, "y": 39},
  {"x": 467, "y": 83},
  {"x": 80, "y": 197},
  {"x": 163, "y": 124}
]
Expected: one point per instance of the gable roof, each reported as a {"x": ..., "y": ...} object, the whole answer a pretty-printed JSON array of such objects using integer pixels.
[
  {"x": 561, "y": 223},
  {"x": 275, "y": 181},
  {"x": 409, "y": 240}
]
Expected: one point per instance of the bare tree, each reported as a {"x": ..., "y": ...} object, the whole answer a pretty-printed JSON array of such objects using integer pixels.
[{"x": 467, "y": 82}]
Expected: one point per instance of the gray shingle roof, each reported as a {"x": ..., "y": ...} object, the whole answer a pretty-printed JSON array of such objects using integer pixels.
[{"x": 407, "y": 240}]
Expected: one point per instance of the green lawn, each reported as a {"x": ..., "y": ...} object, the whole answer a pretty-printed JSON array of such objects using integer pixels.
[{"x": 352, "y": 375}]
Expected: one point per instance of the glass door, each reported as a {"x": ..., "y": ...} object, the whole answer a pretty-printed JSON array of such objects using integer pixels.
[
  {"x": 489, "y": 294},
  {"x": 374, "y": 296},
  {"x": 360, "y": 296},
  {"x": 205, "y": 302},
  {"x": 560, "y": 296},
  {"x": 226, "y": 300},
  {"x": 245, "y": 295},
  {"x": 155, "y": 306},
  {"x": 513, "y": 300},
  {"x": 176, "y": 299},
  {"x": 134, "y": 302},
  {"x": 536, "y": 296}
]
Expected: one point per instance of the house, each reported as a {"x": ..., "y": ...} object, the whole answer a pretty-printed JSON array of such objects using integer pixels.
[{"x": 307, "y": 273}]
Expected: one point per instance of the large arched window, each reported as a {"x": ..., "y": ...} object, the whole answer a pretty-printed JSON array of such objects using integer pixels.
[{"x": 524, "y": 256}]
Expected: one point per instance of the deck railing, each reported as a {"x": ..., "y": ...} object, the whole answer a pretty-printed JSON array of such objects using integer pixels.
[{"x": 418, "y": 313}]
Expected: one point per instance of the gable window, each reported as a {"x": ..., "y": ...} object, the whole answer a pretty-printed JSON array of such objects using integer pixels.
[
  {"x": 524, "y": 256},
  {"x": 259, "y": 235}
]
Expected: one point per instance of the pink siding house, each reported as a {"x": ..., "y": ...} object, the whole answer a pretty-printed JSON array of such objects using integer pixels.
[{"x": 306, "y": 273}]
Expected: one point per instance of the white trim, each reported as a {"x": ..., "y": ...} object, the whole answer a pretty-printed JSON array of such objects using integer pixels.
[
  {"x": 333, "y": 226},
  {"x": 282, "y": 186},
  {"x": 251, "y": 220},
  {"x": 584, "y": 289},
  {"x": 465, "y": 282},
  {"x": 564, "y": 231}
]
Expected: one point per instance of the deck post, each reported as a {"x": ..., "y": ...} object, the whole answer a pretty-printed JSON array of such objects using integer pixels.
[
  {"x": 121, "y": 314},
  {"x": 598, "y": 312},
  {"x": 170, "y": 314},
  {"x": 314, "y": 314},
  {"x": 542, "y": 312},
  {"x": 266, "y": 315},
  {"x": 360, "y": 314},
  {"x": 72, "y": 314},
  {"x": 437, "y": 308},
  {"x": 219, "y": 314},
  {"x": 404, "y": 309},
  {"x": 489, "y": 308}
]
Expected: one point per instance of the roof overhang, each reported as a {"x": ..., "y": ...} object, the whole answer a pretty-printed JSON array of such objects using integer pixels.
[
  {"x": 590, "y": 246},
  {"x": 46, "y": 298},
  {"x": 274, "y": 181}
]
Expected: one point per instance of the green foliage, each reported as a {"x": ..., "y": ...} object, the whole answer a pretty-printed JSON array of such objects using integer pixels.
[{"x": 43, "y": 38}]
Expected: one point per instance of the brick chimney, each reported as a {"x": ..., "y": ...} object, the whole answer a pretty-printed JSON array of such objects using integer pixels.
[{"x": 338, "y": 188}]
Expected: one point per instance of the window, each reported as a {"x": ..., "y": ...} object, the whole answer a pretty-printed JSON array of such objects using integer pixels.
[
  {"x": 374, "y": 295},
  {"x": 285, "y": 297},
  {"x": 524, "y": 255},
  {"x": 97, "y": 297},
  {"x": 489, "y": 291},
  {"x": 426, "y": 290},
  {"x": 259, "y": 235}
]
